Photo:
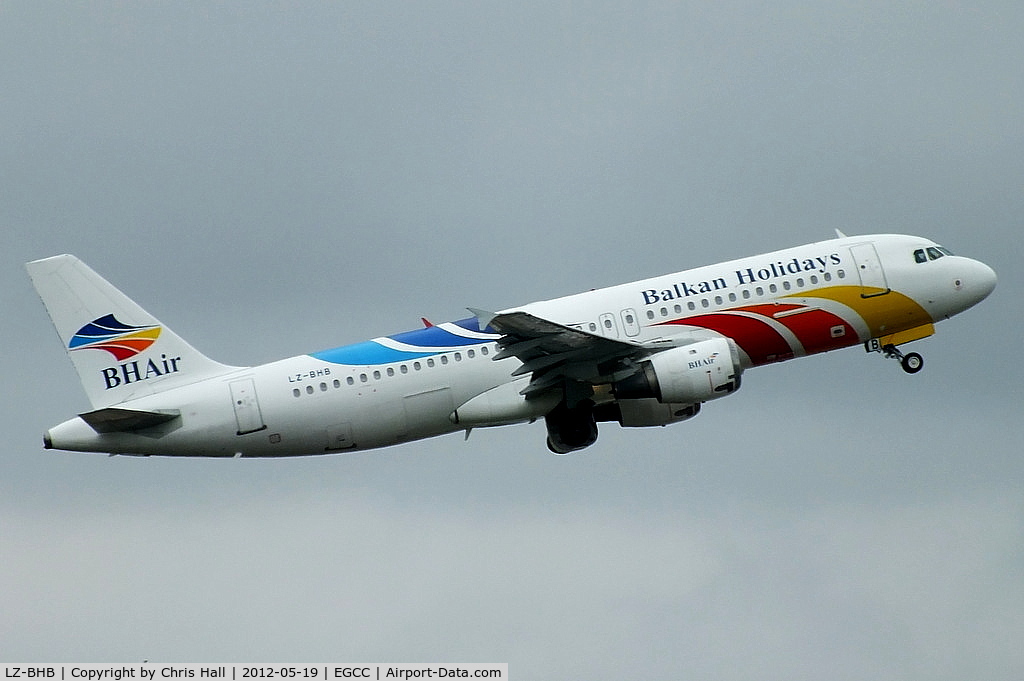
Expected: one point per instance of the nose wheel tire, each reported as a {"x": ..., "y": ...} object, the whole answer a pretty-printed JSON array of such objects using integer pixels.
[{"x": 912, "y": 362}]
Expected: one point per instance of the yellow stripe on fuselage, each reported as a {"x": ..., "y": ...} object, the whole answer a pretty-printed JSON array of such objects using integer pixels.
[{"x": 884, "y": 313}]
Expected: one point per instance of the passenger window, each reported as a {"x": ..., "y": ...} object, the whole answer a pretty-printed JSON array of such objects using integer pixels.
[
  {"x": 350, "y": 380},
  {"x": 296, "y": 392},
  {"x": 363, "y": 378},
  {"x": 732, "y": 297},
  {"x": 376, "y": 375},
  {"x": 679, "y": 309},
  {"x": 718, "y": 300},
  {"x": 470, "y": 354},
  {"x": 417, "y": 366},
  {"x": 404, "y": 369},
  {"x": 484, "y": 351},
  {"x": 705, "y": 303},
  {"x": 430, "y": 362},
  {"x": 746, "y": 294},
  {"x": 786, "y": 285},
  {"x": 691, "y": 306},
  {"x": 841, "y": 274},
  {"x": 773, "y": 288},
  {"x": 337, "y": 383},
  {"x": 444, "y": 359},
  {"x": 827, "y": 276},
  {"x": 458, "y": 356},
  {"x": 309, "y": 390},
  {"x": 323, "y": 387},
  {"x": 391, "y": 371},
  {"x": 919, "y": 256}
]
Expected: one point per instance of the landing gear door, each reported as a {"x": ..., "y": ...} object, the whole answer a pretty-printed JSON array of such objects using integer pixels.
[
  {"x": 869, "y": 269},
  {"x": 247, "y": 406}
]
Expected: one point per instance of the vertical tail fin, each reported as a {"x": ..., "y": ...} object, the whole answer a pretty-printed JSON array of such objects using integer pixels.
[{"x": 119, "y": 350}]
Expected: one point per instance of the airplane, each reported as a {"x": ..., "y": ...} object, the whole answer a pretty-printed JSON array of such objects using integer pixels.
[{"x": 642, "y": 354}]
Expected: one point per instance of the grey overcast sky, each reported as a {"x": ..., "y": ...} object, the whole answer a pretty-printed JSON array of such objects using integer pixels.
[{"x": 275, "y": 179}]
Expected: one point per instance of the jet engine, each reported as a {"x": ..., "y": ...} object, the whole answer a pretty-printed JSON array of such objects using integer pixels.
[{"x": 690, "y": 374}]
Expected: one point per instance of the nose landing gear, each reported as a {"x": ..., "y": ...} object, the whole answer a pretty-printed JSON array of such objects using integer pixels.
[{"x": 911, "y": 362}]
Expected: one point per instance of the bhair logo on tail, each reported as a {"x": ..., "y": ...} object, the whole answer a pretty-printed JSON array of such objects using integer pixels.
[
  {"x": 124, "y": 341},
  {"x": 117, "y": 338}
]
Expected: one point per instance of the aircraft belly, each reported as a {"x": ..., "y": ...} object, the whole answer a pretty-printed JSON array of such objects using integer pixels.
[
  {"x": 402, "y": 409},
  {"x": 380, "y": 422},
  {"x": 426, "y": 412}
]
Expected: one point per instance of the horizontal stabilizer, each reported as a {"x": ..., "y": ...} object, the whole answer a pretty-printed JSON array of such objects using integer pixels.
[{"x": 114, "y": 420}]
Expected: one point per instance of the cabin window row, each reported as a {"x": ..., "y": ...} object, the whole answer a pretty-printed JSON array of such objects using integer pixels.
[
  {"x": 391, "y": 371},
  {"x": 746, "y": 294}
]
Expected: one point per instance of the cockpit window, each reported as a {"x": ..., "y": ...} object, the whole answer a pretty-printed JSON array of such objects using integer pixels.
[{"x": 931, "y": 253}]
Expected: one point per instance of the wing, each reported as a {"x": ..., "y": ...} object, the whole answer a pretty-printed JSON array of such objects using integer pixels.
[{"x": 559, "y": 356}]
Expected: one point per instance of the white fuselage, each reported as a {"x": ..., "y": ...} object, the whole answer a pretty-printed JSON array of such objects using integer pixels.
[{"x": 777, "y": 306}]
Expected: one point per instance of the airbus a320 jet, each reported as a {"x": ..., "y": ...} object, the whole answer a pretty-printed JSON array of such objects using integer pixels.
[{"x": 646, "y": 353}]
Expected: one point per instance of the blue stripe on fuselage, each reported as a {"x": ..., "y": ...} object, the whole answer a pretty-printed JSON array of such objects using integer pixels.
[
  {"x": 367, "y": 353},
  {"x": 428, "y": 341},
  {"x": 433, "y": 337}
]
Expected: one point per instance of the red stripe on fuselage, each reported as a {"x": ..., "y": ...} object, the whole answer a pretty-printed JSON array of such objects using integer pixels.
[
  {"x": 758, "y": 339},
  {"x": 817, "y": 329}
]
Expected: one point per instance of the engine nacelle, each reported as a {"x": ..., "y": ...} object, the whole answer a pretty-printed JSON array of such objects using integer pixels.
[
  {"x": 645, "y": 412},
  {"x": 686, "y": 375}
]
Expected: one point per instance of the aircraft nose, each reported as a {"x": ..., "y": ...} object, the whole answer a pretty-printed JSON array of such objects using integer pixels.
[{"x": 978, "y": 281}]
